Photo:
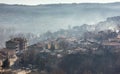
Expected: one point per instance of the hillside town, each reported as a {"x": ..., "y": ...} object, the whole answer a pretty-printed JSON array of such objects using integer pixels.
[
  {"x": 43, "y": 57},
  {"x": 86, "y": 49},
  {"x": 59, "y": 36}
]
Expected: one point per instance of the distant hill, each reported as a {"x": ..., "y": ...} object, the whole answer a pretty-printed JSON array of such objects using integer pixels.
[
  {"x": 41, "y": 18},
  {"x": 112, "y": 23}
]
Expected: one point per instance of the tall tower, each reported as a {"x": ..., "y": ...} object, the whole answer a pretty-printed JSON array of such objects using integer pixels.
[{"x": 17, "y": 43}]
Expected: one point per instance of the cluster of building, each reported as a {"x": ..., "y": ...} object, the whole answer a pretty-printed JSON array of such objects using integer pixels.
[
  {"x": 58, "y": 47},
  {"x": 64, "y": 45},
  {"x": 8, "y": 55}
]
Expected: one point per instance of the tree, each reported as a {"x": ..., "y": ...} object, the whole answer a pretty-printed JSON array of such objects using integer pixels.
[{"x": 6, "y": 63}]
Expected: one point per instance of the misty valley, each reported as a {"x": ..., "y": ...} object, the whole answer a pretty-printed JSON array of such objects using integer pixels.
[{"x": 60, "y": 39}]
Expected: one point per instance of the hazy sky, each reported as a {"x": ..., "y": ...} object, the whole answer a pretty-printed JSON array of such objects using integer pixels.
[{"x": 34, "y": 2}]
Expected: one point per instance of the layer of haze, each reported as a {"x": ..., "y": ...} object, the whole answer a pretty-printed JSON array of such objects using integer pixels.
[{"x": 41, "y": 18}]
